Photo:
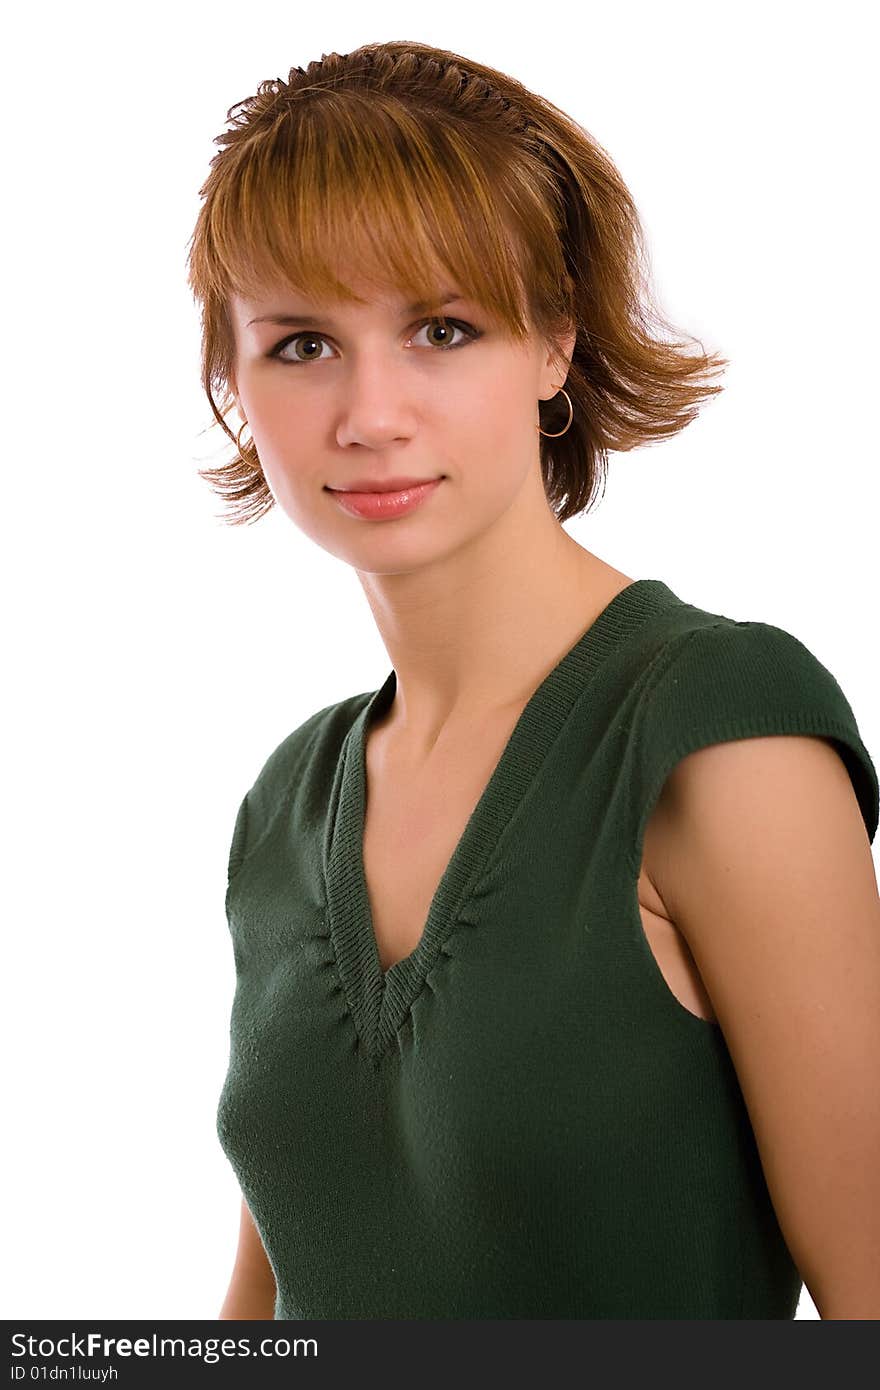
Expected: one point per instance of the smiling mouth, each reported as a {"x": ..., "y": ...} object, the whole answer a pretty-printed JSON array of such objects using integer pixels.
[
  {"x": 384, "y": 505},
  {"x": 394, "y": 485}
]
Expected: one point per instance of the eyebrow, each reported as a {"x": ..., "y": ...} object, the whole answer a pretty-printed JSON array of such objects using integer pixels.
[{"x": 311, "y": 322}]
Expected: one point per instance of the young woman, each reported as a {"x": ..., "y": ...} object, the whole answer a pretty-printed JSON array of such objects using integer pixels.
[{"x": 558, "y": 955}]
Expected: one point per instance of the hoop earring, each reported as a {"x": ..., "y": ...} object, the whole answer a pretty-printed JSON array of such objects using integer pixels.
[
  {"x": 570, "y": 417},
  {"x": 238, "y": 439}
]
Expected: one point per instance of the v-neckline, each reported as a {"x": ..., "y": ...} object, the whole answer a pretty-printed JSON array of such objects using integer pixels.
[{"x": 379, "y": 999}]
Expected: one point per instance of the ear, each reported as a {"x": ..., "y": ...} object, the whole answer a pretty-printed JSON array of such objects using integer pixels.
[{"x": 556, "y": 364}]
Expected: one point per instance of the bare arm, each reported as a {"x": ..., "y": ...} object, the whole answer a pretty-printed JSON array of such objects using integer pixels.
[
  {"x": 767, "y": 870},
  {"x": 251, "y": 1292}
]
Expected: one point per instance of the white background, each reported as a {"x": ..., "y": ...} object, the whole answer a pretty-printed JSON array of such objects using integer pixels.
[{"x": 157, "y": 656}]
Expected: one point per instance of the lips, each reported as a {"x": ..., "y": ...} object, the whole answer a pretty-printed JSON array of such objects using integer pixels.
[
  {"x": 382, "y": 484},
  {"x": 385, "y": 505}
]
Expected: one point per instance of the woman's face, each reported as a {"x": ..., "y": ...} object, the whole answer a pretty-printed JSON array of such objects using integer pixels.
[{"x": 339, "y": 393}]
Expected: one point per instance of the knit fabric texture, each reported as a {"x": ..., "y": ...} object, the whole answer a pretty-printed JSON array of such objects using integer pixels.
[{"x": 519, "y": 1119}]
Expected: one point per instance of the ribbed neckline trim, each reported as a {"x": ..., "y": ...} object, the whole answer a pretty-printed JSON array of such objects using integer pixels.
[{"x": 379, "y": 1000}]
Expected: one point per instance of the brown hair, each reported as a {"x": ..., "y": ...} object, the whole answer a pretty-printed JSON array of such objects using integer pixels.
[{"x": 412, "y": 162}]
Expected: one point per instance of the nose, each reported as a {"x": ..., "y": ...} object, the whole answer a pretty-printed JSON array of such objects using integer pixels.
[{"x": 376, "y": 403}]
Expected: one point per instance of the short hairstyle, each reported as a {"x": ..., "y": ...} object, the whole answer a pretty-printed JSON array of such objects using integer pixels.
[{"x": 413, "y": 164}]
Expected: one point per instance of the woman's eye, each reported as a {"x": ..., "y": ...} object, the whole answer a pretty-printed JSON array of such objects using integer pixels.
[
  {"x": 307, "y": 346},
  {"x": 446, "y": 332}
]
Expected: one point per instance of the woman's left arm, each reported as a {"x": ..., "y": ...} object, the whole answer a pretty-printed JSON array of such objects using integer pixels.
[{"x": 766, "y": 870}]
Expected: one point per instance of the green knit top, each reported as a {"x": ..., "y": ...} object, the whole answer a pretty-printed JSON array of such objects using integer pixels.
[{"x": 519, "y": 1119}]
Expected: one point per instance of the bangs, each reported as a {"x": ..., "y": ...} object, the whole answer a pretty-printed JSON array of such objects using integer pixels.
[{"x": 359, "y": 182}]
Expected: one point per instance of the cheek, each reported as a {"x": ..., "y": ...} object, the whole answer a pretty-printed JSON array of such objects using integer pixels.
[
  {"x": 496, "y": 442},
  {"x": 290, "y": 442},
  {"x": 297, "y": 493}
]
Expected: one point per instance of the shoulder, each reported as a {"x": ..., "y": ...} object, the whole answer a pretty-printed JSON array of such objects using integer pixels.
[
  {"x": 715, "y": 662},
  {"x": 324, "y": 731},
  {"x": 720, "y": 684},
  {"x": 302, "y": 765}
]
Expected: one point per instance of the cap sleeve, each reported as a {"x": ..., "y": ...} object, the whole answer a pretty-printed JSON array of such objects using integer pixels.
[
  {"x": 273, "y": 789},
  {"x": 734, "y": 680}
]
